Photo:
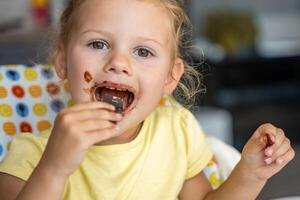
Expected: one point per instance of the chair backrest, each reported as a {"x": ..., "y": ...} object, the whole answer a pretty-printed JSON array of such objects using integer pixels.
[
  {"x": 226, "y": 156},
  {"x": 30, "y": 97}
]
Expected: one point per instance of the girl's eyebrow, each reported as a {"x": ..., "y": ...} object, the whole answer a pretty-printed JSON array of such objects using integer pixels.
[
  {"x": 106, "y": 33},
  {"x": 145, "y": 39}
]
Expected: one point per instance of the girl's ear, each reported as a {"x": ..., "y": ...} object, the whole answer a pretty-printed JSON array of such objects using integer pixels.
[
  {"x": 60, "y": 61},
  {"x": 174, "y": 76}
]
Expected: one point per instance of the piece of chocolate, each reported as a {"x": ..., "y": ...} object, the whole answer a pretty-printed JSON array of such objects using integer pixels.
[{"x": 115, "y": 101}]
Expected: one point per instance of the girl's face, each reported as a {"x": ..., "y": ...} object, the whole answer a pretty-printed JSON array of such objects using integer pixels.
[{"x": 121, "y": 45}]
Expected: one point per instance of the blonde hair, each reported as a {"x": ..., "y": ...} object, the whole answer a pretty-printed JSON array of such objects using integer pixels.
[{"x": 190, "y": 82}]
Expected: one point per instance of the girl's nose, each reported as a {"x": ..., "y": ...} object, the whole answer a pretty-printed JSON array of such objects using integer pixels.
[{"x": 119, "y": 64}]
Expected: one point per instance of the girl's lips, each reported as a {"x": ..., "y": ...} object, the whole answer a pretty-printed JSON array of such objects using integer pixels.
[{"x": 116, "y": 86}]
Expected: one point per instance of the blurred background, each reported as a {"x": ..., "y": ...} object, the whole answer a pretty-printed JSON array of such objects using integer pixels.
[
  {"x": 247, "y": 50},
  {"x": 252, "y": 70}
]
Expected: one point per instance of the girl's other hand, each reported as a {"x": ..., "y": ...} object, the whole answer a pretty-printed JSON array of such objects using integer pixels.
[
  {"x": 75, "y": 130},
  {"x": 266, "y": 152}
]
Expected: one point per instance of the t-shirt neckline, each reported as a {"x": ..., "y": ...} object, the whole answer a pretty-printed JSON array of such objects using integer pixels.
[{"x": 114, "y": 148}]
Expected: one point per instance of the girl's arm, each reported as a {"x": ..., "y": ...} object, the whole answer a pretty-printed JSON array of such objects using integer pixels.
[
  {"x": 43, "y": 183},
  {"x": 264, "y": 155},
  {"x": 195, "y": 188},
  {"x": 75, "y": 130},
  {"x": 10, "y": 186},
  {"x": 237, "y": 186}
]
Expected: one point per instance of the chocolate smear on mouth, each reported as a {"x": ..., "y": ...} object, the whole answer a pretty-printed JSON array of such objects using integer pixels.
[{"x": 118, "y": 95}]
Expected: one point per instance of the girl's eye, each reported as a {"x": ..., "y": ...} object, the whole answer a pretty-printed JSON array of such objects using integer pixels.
[
  {"x": 98, "y": 45},
  {"x": 142, "y": 52}
]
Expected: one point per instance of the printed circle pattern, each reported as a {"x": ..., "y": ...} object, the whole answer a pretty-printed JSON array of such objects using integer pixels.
[
  {"x": 43, "y": 125},
  {"x": 57, "y": 105},
  {"x": 30, "y": 74},
  {"x": 66, "y": 86},
  {"x": 47, "y": 73},
  {"x": 40, "y": 109},
  {"x": 1, "y": 149},
  {"x": 12, "y": 75},
  {"x": 26, "y": 100},
  {"x": 18, "y": 91},
  {"x": 70, "y": 103},
  {"x": 9, "y": 128},
  {"x": 35, "y": 91},
  {"x": 6, "y": 110},
  {"x": 22, "y": 110},
  {"x": 25, "y": 127},
  {"x": 52, "y": 88},
  {"x": 3, "y": 92}
]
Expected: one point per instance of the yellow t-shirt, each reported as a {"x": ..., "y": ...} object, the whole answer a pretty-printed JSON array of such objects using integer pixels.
[{"x": 169, "y": 149}]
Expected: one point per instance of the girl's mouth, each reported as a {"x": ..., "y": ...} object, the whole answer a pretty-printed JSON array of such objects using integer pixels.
[{"x": 119, "y": 95}]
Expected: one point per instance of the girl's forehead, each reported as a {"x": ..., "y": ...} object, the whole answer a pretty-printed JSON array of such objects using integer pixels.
[
  {"x": 146, "y": 17},
  {"x": 145, "y": 7}
]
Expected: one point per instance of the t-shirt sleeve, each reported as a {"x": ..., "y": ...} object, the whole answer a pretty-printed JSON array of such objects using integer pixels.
[
  {"x": 198, "y": 150},
  {"x": 24, "y": 153}
]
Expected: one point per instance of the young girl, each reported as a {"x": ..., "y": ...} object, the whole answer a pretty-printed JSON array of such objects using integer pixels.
[{"x": 120, "y": 57}]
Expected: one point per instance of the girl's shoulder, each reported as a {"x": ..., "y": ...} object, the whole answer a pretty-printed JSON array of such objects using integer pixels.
[
  {"x": 168, "y": 106},
  {"x": 175, "y": 113},
  {"x": 23, "y": 154},
  {"x": 29, "y": 142}
]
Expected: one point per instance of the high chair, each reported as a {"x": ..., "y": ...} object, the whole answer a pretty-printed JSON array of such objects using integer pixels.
[{"x": 31, "y": 96}]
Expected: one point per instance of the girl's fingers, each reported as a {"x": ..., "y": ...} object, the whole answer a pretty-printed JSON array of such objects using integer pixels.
[
  {"x": 99, "y": 114},
  {"x": 285, "y": 158},
  {"x": 257, "y": 143},
  {"x": 277, "y": 140},
  {"x": 279, "y": 137},
  {"x": 263, "y": 129},
  {"x": 281, "y": 150},
  {"x": 91, "y": 105}
]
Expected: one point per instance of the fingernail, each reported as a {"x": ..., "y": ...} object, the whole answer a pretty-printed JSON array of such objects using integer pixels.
[
  {"x": 279, "y": 160},
  {"x": 272, "y": 138},
  {"x": 269, "y": 151},
  {"x": 117, "y": 128},
  {"x": 119, "y": 116},
  {"x": 268, "y": 161}
]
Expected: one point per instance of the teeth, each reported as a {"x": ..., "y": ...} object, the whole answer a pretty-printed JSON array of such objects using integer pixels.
[
  {"x": 111, "y": 88},
  {"x": 119, "y": 89}
]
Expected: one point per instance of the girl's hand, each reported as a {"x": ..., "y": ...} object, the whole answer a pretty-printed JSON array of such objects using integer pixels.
[
  {"x": 75, "y": 130},
  {"x": 266, "y": 152}
]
